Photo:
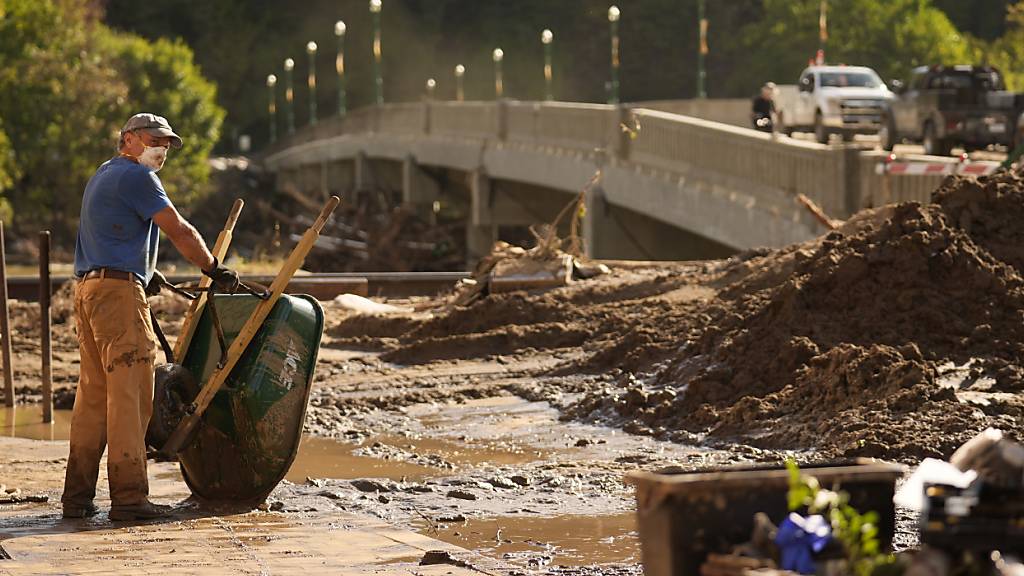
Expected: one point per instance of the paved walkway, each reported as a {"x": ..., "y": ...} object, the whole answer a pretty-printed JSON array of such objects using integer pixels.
[{"x": 38, "y": 541}]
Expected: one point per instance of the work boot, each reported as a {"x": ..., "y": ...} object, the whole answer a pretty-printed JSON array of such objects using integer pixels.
[
  {"x": 80, "y": 510},
  {"x": 145, "y": 510}
]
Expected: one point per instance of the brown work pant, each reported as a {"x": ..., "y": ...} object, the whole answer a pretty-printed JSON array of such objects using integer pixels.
[{"x": 115, "y": 391}]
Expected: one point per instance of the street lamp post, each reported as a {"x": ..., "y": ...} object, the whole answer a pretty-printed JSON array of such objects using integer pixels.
[
  {"x": 822, "y": 31},
  {"x": 339, "y": 65},
  {"x": 378, "y": 79},
  {"x": 272, "y": 106},
  {"x": 431, "y": 85},
  {"x": 546, "y": 37},
  {"x": 499, "y": 85},
  {"x": 702, "y": 51},
  {"x": 460, "y": 72},
  {"x": 311, "y": 50},
  {"x": 613, "y": 20},
  {"x": 289, "y": 95}
]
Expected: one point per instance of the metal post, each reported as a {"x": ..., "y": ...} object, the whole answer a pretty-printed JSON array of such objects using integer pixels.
[
  {"x": 44, "y": 324},
  {"x": 460, "y": 93},
  {"x": 289, "y": 95},
  {"x": 5, "y": 325},
  {"x": 339, "y": 65},
  {"x": 613, "y": 20},
  {"x": 378, "y": 79},
  {"x": 702, "y": 51},
  {"x": 546, "y": 37},
  {"x": 822, "y": 31},
  {"x": 272, "y": 106},
  {"x": 311, "y": 82},
  {"x": 499, "y": 84}
]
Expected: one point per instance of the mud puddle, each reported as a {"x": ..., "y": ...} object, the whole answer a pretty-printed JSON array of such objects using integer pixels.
[
  {"x": 27, "y": 422},
  {"x": 327, "y": 458},
  {"x": 569, "y": 540}
]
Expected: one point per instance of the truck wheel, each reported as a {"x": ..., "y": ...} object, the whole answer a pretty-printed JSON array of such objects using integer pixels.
[
  {"x": 887, "y": 134},
  {"x": 933, "y": 145},
  {"x": 821, "y": 134}
]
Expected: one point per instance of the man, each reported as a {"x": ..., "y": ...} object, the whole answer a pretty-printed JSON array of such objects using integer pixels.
[
  {"x": 115, "y": 257},
  {"x": 763, "y": 108}
]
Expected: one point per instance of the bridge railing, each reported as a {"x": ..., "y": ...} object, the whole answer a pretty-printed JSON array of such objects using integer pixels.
[
  {"x": 584, "y": 127},
  {"x": 464, "y": 119},
  {"x": 678, "y": 143},
  {"x": 840, "y": 180}
]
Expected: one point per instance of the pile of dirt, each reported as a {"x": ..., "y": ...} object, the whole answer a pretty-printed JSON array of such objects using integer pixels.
[
  {"x": 868, "y": 341},
  {"x": 837, "y": 344}
]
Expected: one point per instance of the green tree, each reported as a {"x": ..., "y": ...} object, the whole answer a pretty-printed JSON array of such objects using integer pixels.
[
  {"x": 67, "y": 84},
  {"x": 892, "y": 37},
  {"x": 160, "y": 77},
  {"x": 1007, "y": 52}
]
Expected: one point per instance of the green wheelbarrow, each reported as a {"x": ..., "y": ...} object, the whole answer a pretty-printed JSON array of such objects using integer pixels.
[{"x": 232, "y": 411}]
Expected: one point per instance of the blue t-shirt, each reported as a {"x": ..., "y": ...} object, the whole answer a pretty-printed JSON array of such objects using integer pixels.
[{"x": 116, "y": 228}]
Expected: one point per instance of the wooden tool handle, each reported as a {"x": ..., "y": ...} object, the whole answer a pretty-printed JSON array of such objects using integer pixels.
[
  {"x": 332, "y": 203},
  {"x": 236, "y": 209}
]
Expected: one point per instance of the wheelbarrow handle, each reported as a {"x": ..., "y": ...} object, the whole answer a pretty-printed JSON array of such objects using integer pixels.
[
  {"x": 328, "y": 209},
  {"x": 252, "y": 288}
]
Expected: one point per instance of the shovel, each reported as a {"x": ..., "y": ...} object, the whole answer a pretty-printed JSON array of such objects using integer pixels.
[{"x": 194, "y": 412}]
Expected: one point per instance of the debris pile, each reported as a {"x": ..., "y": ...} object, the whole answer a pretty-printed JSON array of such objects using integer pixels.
[
  {"x": 510, "y": 268},
  {"x": 860, "y": 342}
]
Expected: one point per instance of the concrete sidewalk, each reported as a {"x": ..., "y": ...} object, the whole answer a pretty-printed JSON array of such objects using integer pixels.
[{"x": 38, "y": 541}]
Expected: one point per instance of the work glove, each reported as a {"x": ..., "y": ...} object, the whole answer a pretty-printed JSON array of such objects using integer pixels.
[
  {"x": 225, "y": 278},
  {"x": 158, "y": 280}
]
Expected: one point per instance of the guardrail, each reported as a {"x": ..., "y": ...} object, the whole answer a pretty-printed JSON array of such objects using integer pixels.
[{"x": 840, "y": 180}]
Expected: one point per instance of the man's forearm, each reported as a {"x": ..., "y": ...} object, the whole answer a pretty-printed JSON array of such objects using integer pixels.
[{"x": 192, "y": 247}]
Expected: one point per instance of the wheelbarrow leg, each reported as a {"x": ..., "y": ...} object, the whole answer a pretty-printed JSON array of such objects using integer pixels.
[{"x": 177, "y": 440}]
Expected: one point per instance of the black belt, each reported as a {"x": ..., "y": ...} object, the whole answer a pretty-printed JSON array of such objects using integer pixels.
[{"x": 111, "y": 273}]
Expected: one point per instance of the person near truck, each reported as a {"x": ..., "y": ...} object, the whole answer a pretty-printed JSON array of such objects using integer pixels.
[
  {"x": 124, "y": 208},
  {"x": 762, "y": 111}
]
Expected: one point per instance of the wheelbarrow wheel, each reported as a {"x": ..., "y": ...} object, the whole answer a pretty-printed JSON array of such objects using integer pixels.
[{"x": 174, "y": 389}]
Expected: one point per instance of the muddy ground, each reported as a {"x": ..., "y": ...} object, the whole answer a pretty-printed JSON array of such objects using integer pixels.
[{"x": 898, "y": 336}]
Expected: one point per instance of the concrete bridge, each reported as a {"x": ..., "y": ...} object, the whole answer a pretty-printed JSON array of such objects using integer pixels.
[{"x": 670, "y": 187}]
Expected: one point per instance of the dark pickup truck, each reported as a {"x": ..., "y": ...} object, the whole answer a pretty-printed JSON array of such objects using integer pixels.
[{"x": 947, "y": 106}]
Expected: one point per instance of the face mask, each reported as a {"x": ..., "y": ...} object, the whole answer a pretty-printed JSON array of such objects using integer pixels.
[{"x": 153, "y": 157}]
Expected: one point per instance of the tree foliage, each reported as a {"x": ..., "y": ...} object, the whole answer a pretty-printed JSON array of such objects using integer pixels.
[
  {"x": 892, "y": 37},
  {"x": 67, "y": 84},
  {"x": 239, "y": 42}
]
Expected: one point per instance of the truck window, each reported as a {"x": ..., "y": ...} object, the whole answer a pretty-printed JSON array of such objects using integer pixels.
[
  {"x": 918, "y": 81},
  {"x": 980, "y": 80},
  {"x": 854, "y": 79}
]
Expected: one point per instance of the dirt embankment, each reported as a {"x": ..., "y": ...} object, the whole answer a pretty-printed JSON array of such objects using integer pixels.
[{"x": 899, "y": 335}]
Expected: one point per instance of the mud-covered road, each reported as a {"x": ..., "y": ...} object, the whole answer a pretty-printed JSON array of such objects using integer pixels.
[{"x": 507, "y": 426}]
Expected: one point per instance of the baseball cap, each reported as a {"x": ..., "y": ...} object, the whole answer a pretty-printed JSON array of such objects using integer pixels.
[{"x": 155, "y": 125}]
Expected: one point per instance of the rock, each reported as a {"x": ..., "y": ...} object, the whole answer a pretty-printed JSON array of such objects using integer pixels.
[
  {"x": 461, "y": 494},
  {"x": 369, "y": 486},
  {"x": 420, "y": 488},
  {"x": 503, "y": 483},
  {"x": 276, "y": 506},
  {"x": 520, "y": 480},
  {"x": 383, "y": 499},
  {"x": 583, "y": 442},
  {"x": 451, "y": 518},
  {"x": 442, "y": 557}
]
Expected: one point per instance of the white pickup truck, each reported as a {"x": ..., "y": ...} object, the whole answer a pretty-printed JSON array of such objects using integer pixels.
[{"x": 828, "y": 100}]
